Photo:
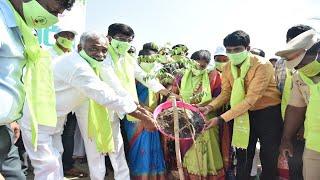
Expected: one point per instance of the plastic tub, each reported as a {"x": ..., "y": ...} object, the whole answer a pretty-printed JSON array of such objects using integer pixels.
[{"x": 180, "y": 104}]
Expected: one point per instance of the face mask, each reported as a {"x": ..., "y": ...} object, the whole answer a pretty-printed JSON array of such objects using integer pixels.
[
  {"x": 238, "y": 58},
  {"x": 132, "y": 54},
  {"x": 147, "y": 67},
  {"x": 64, "y": 42},
  {"x": 120, "y": 47},
  {"x": 219, "y": 65},
  {"x": 162, "y": 58},
  {"x": 198, "y": 72},
  {"x": 36, "y": 16},
  {"x": 311, "y": 69},
  {"x": 93, "y": 63},
  {"x": 210, "y": 67}
]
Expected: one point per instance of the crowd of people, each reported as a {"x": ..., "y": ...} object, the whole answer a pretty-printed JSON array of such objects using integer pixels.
[{"x": 108, "y": 91}]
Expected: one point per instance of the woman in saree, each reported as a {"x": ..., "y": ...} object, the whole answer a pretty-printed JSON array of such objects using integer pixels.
[
  {"x": 145, "y": 157},
  {"x": 203, "y": 160}
]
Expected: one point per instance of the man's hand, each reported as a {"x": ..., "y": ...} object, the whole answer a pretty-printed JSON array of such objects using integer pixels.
[
  {"x": 16, "y": 130},
  {"x": 146, "y": 118},
  {"x": 149, "y": 123},
  {"x": 144, "y": 110},
  {"x": 286, "y": 148},
  {"x": 205, "y": 109},
  {"x": 166, "y": 92},
  {"x": 211, "y": 123},
  {"x": 178, "y": 98}
]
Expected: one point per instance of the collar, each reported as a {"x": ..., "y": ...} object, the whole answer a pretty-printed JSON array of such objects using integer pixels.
[
  {"x": 251, "y": 58},
  {"x": 8, "y": 14}
]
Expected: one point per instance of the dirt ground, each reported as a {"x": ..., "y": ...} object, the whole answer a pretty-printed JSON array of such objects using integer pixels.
[{"x": 83, "y": 166}]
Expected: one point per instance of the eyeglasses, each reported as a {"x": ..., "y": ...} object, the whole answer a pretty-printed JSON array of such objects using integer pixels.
[{"x": 123, "y": 39}]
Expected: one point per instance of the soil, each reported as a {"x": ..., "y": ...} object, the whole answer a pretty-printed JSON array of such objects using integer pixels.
[{"x": 165, "y": 120}]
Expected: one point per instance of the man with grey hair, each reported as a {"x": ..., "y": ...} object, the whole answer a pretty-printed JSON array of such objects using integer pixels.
[
  {"x": 96, "y": 160},
  {"x": 75, "y": 81}
]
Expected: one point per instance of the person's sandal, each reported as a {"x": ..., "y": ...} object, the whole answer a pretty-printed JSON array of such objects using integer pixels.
[{"x": 75, "y": 173}]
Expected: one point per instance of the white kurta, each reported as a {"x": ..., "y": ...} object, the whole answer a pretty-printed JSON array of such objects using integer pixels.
[
  {"x": 117, "y": 158},
  {"x": 75, "y": 82},
  {"x": 109, "y": 76},
  {"x": 79, "y": 150}
]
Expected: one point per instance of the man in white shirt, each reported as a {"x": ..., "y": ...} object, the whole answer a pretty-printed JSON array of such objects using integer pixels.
[
  {"x": 126, "y": 71},
  {"x": 75, "y": 82},
  {"x": 64, "y": 37},
  {"x": 123, "y": 82}
]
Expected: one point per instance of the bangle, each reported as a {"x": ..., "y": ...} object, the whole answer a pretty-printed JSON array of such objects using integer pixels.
[{"x": 221, "y": 120}]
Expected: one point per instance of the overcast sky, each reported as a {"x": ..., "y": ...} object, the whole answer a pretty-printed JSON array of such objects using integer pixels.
[{"x": 202, "y": 24}]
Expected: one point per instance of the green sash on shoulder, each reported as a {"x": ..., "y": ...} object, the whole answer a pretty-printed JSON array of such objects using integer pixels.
[
  {"x": 38, "y": 80},
  {"x": 241, "y": 127},
  {"x": 190, "y": 84},
  {"x": 286, "y": 93},
  {"x": 99, "y": 127},
  {"x": 312, "y": 121},
  {"x": 125, "y": 73},
  {"x": 150, "y": 68}
]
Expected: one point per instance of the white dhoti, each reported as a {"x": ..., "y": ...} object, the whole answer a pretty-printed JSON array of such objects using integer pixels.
[
  {"x": 46, "y": 160},
  {"x": 96, "y": 160},
  {"x": 78, "y": 150}
]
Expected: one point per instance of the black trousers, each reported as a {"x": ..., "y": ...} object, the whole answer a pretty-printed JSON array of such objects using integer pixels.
[
  {"x": 68, "y": 141},
  {"x": 265, "y": 124},
  {"x": 10, "y": 165},
  {"x": 295, "y": 162},
  {"x": 125, "y": 139},
  {"x": 22, "y": 150}
]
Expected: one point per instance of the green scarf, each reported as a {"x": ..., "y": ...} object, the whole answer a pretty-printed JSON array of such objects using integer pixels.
[
  {"x": 286, "y": 93},
  {"x": 38, "y": 81},
  {"x": 312, "y": 122},
  {"x": 99, "y": 127},
  {"x": 57, "y": 49},
  {"x": 149, "y": 68},
  {"x": 152, "y": 99},
  {"x": 190, "y": 84},
  {"x": 241, "y": 127},
  {"x": 125, "y": 73}
]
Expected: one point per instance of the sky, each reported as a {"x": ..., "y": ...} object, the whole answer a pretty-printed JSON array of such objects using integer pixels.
[{"x": 203, "y": 24}]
